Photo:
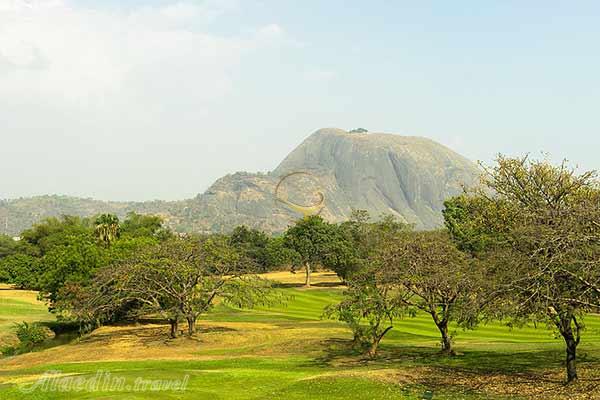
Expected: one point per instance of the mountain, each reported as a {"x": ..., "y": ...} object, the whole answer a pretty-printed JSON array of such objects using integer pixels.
[{"x": 406, "y": 176}]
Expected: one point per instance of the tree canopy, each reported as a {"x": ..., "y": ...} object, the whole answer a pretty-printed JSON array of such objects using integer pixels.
[{"x": 538, "y": 227}]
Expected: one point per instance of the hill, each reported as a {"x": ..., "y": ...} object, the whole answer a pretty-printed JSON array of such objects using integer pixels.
[{"x": 383, "y": 173}]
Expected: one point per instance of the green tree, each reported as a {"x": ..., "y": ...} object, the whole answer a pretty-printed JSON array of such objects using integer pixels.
[
  {"x": 7, "y": 246},
  {"x": 312, "y": 239},
  {"x": 439, "y": 279},
  {"x": 75, "y": 261},
  {"x": 360, "y": 239},
  {"x": 21, "y": 270},
  {"x": 371, "y": 304},
  {"x": 266, "y": 252},
  {"x": 254, "y": 244},
  {"x": 51, "y": 232},
  {"x": 142, "y": 225},
  {"x": 278, "y": 255}
]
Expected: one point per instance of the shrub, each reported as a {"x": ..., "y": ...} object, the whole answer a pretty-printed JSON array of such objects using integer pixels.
[{"x": 29, "y": 335}]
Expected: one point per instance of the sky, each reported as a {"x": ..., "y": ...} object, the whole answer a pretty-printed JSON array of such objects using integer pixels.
[{"x": 156, "y": 99}]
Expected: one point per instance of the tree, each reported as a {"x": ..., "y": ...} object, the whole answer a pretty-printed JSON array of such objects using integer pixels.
[
  {"x": 267, "y": 253},
  {"x": 278, "y": 255},
  {"x": 107, "y": 228},
  {"x": 360, "y": 240},
  {"x": 75, "y": 261},
  {"x": 356, "y": 234},
  {"x": 310, "y": 238},
  {"x": 52, "y": 232},
  {"x": 58, "y": 252},
  {"x": 375, "y": 297},
  {"x": 179, "y": 278},
  {"x": 438, "y": 278},
  {"x": 21, "y": 270},
  {"x": 254, "y": 244},
  {"x": 7, "y": 246},
  {"x": 140, "y": 225},
  {"x": 539, "y": 226}
]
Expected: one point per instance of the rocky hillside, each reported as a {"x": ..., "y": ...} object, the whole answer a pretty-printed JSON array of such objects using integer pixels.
[{"x": 406, "y": 176}]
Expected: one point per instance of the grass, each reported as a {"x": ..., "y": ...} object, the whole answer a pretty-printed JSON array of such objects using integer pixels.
[
  {"x": 18, "y": 306},
  {"x": 288, "y": 351}
]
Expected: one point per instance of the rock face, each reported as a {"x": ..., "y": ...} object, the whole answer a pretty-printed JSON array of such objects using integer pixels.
[{"x": 408, "y": 177}]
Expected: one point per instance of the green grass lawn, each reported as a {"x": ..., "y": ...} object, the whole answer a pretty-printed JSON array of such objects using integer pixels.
[{"x": 301, "y": 356}]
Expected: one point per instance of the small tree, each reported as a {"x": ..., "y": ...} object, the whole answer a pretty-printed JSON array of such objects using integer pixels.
[
  {"x": 438, "y": 278},
  {"x": 52, "y": 232},
  {"x": 143, "y": 225},
  {"x": 371, "y": 304},
  {"x": 254, "y": 244},
  {"x": 21, "y": 270}
]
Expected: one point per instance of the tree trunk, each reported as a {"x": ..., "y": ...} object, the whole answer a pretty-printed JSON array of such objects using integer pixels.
[
  {"x": 571, "y": 341},
  {"x": 307, "y": 281},
  {"x": 191, "y": 320},
  {"x": 373, "y": 348},
  {"x": 446, "y": 341},
  {"x": 571, "y": 360},
  {"x": 376, "y": 340},
  {"x": 356, "y": 339},
  {"x": 174, "y": 325}
]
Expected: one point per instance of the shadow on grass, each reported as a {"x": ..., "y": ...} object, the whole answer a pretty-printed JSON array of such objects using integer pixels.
[
  {"x": 282, "y": 285},
  {"x": 149, "y": 336},
  {"x": 474, "y": 373},
  {"x": 342, "y": 353}
]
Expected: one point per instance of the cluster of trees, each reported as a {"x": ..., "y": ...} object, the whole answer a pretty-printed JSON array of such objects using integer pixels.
[
  {"x": 68, "y": 249},
  {"x": 522, "y": 247},
  {"x": 94, "y": 270}
]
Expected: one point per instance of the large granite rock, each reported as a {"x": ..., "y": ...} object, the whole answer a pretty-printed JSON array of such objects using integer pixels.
[{"x": 409, "y": 177}]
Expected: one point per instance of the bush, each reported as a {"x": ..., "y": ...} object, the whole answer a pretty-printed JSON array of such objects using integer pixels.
[{"x": 29, "y": 336}]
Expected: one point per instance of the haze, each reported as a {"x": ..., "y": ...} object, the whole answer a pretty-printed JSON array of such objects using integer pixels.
[{"x": 157, "y": 99}]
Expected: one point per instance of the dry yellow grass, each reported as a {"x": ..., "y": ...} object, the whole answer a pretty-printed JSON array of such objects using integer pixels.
[
  {"x": 150, "y": 342},
  {"x": 29, "y": 296},
  {"x": 320, "y": 278}
]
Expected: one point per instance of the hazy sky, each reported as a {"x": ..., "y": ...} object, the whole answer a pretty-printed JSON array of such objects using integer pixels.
[{"x": 135, "y": 100}]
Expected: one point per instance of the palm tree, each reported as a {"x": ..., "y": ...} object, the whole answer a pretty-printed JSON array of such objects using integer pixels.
[{"x": 107, "y": 228}]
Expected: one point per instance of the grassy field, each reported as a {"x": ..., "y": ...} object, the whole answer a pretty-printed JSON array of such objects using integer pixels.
[{"x": 289, "y": 352}]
